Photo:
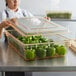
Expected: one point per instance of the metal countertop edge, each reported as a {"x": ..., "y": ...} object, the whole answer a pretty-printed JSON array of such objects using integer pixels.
[{"x": 39, "y": 69}]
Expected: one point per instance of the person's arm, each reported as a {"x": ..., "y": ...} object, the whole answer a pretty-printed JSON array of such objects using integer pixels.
[
  {"x": 2, "y": 22},
  {"x": 2, "y": 25},
  {"x": 0, "y": 32},
  {"x": 5, "y": 24}
]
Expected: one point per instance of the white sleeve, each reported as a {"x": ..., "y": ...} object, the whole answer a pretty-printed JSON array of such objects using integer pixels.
[
  {"x": 28, "y": 14},
  {"x": 34, "y": 19},
  {"x": 2, "y": 16}
]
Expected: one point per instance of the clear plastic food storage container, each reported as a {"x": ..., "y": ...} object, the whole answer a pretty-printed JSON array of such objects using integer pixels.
[{"x": 32, "y": 47}]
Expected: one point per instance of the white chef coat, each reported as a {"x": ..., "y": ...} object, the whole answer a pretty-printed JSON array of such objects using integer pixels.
[
  {"x": 21, "y": 13},
  {"x": 8, "y": 13}
]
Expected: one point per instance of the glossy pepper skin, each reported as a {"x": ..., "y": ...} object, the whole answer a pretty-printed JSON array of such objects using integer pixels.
[
  {"x": 50, "y": 51},
  {"x": 61, "y": 50},
  {"x": 30, "y": 54},
  {"x": 41, "y": 53}
]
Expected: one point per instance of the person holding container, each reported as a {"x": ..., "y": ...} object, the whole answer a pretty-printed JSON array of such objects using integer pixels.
[{"x": 13, "y": 11}]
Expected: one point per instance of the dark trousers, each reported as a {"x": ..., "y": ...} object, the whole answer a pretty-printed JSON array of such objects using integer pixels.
[
  {"x": 18, "y": 73},
  {"x": 5, "y": 38},
  {"x": 14, "y": 74}
]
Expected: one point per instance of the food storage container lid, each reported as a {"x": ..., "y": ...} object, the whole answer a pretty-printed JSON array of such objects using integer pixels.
[{"x": 37, "y": 25}]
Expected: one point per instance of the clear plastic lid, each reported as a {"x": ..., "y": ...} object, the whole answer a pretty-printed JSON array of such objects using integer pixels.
[{"x": 38, "y": 25}]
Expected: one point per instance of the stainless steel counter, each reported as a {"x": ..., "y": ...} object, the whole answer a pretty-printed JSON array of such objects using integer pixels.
[{"x": 10, "y": 61}]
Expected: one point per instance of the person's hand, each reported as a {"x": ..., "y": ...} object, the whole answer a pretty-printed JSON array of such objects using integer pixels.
[
  {"x": 6, "y": 23},
  {"x": 2, "y": 25},
  {"x": 0, "y": 33},
  {"x": 48, "y": 18},
  {"x": 14, "y": 21}
]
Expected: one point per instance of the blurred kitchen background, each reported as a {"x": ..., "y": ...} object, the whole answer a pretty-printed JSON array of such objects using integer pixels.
[{"x": 39, "y": 7}]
